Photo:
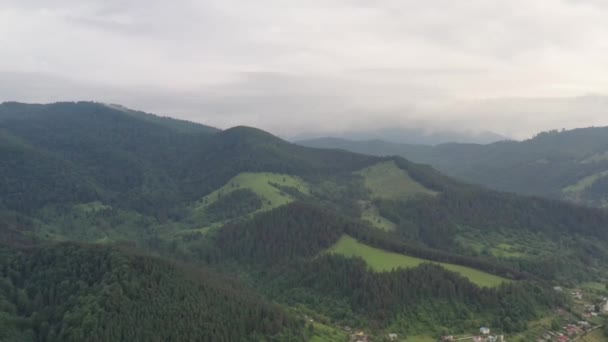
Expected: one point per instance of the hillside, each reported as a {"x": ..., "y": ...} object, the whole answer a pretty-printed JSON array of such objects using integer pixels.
[
  {"x": 568, "y": 165},
  {"x": 405, "y": 135},
  {"x": 325, "y": 234},
  {"x": 71, "y": 292}
]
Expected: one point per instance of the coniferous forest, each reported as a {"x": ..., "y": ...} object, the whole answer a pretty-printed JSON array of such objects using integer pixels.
[{"x": 117, "y": 225}]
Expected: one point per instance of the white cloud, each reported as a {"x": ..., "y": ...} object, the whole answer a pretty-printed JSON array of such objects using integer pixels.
[{"x": 290, "y": 65}]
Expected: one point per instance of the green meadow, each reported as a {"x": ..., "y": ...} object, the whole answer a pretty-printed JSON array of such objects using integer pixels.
[
  {"x": 387, "y": 181},
  {"x": 371, "y": 215},
  {"x": 262, "y": 183},
  {"x": 381, "y": 261}
]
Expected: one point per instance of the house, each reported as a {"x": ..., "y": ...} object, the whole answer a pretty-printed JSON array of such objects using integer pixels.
[
  {"x": 563, "y": 338},
  {"x": 604, "y": 307},
  {"x": 477, "y": 339},
  {"x": 484, "y": 330},
  {"x": 392, "y": 337},
  {"x": 447, "y": 338}
]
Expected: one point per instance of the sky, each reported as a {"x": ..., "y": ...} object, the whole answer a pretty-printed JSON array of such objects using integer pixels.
[{"x": 513, "y": 67}]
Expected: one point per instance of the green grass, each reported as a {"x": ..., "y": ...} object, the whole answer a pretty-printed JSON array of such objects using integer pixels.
[
  {"x": 325, "y": 333},
  {"x": 421, "y": 339},
  {"x": 596, "y": 336},
  {"x": 595, "y": 287},
  {"x": 584, "y": 183},
  {"x": 371, "y": 215},
  {"x": 504, "y": 244},
  {"x": 387, "y": 181},
  {"x": 381, "y": 261},
  {"x": 596, "y": 158},
  {"x": 507, "y": 251},
  {"x": 535, "y": 329},
  {"x": 260, "y": 183}
]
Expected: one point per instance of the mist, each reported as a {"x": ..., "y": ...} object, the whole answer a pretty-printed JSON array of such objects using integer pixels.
[{"x": 323, "y": 67}]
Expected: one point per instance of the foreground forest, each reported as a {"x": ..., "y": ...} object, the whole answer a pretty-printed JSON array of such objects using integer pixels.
[{"x": 239, "y": 235}]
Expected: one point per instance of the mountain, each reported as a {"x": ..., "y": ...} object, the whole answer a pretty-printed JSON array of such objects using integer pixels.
[
  {"x": 73, "y": 292},
  {"x": 569, "y": 165},
  {"x": 330, "y": 238},
  {"x": 412, "y": 136}
]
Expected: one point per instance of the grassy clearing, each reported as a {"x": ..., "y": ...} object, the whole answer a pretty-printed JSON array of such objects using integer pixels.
[
  {"x": 386, "y": 180},
  {"x": 595, "y": 288},
  {"x": 262, "y": 185},
  {"x": 596, "y": 158},
  {"x": 381, "y": 261},
  {"x": 507, "y": 251},
  {"x": 596, "y": 336},
  {"x": 325, "y": 333},
  {"x": 371, "y": 215},
  {"x": 421, "y": 339},
  {"x": 584, "y": 183},
  {"x": 535, "y": 329},
  {"x": 505, "y": 244}
]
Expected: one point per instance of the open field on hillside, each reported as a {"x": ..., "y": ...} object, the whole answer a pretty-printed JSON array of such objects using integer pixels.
[
  {"x": 584, "y": 183},
  {"x": 386, "y": 180},
  {"x": 596, "y": 158},
  {"x": 262, "y": 184},
  {"x": 381, "y": 260},
  {"x": 325, "y": 333},
  {"x": 371, "y": 215},
  {"x": 421, "y": 339},
  {"x": 596, "y": 336}
]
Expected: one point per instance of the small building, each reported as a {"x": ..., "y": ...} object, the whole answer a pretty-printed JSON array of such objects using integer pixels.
[
  {"x": 484, "y": 330},
  {"x": 392, "y": 337}
]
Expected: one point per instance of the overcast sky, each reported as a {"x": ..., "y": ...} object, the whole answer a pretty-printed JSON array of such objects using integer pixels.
[{"x": 514, "y": 67}]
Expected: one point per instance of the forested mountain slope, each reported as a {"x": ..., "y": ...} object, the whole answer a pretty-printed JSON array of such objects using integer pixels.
[
  {"x": 570, "y": 165},
  {"x": 277, "y": 215},
  {"x": 71, "y": 292}
]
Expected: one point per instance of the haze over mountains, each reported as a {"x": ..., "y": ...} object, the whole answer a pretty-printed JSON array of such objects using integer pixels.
[
  {"x": 568, "y": 165},
  {"x": 314, "y": 171},
  {"x": 281, "y": 242},
  {"x": 419, "y": 136}
]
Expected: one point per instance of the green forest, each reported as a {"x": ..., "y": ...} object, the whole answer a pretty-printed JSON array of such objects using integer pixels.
[{"x": 117, "y": 225}]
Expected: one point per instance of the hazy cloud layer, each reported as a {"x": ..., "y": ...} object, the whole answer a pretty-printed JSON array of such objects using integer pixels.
[{"x": 514, "y": 67}]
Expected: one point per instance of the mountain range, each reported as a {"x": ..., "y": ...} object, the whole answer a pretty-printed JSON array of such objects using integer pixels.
[
  {"x": 122, "y": 225},
  {"x": 569, "y": 165},
  {"x": 412, "y": 136}
]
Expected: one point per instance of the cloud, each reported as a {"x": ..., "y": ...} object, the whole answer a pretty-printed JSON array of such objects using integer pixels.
[{"x": 293, "y": 66}]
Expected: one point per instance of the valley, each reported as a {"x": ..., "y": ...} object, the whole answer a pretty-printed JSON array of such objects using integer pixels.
[{"x": 296, "y": 243}]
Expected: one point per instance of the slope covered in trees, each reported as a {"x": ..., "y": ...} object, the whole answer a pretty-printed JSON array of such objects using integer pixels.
[
  {"x": 79, "y": 152},
  {"x": 72, "y": 292},
  {"x": 285, "y": 250},
  {"x": 251, "y": 205},
  {"x": 566, "y": 165}
]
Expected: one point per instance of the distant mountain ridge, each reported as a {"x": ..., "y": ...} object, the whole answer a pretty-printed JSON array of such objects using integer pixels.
[
  {"x": 333, "y": 238},
  {"x": 411, "y": 136},
  {"x": 570, "y": 165}
]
